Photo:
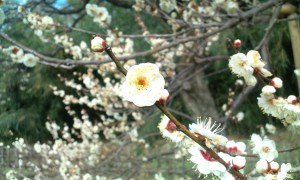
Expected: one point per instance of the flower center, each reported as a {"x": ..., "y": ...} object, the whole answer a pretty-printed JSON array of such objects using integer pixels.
[
  {"x": 233, "y": 149},
  {"x": 207, "y": 156},
  {"x": 141, "y": 83},
  {"x": 171, "y": 127},
  {"x": 241, "y": 63},
  {"x": 15, "y": 50},
  {"x": 266, "y": 149}
]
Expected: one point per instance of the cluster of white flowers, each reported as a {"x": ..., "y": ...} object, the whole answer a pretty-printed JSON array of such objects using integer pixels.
[
  {"x": 139, "y": 5},
  {"x": 246, "y": 65},
  {"x": 266, "y": 166},
  {"x": 230, "y": 6},
  {"x": 37, "y": 21},
  {"x": 272, "y": 170},
  {"x": 207, "y": 131},
  {"x": 39, "y": 24},
  {"x": 167, "y": 5},
  {"x": 287, "y": 110},
  {"x": 78, "y": 52},
  {"x": 17, "y": 55},
  {"x": 100, "y": 14}
]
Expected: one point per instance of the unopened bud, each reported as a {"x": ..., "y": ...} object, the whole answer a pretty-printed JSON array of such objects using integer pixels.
[
  {"x": 238, "y": 162},
  {"x": 292, "y": 99},
  {"x": 262, "y": 166},
  {"x": 237, "y": 43},
  {"x": 268, "y": 90},
  {"x": 276, "y": 82},
  {"x": 165, "y": 97},
  {"x": 98, "y": 44},
  {"x": 274, "y": 166}
]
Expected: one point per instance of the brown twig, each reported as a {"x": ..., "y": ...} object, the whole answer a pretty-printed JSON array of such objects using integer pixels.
[{"x": 270, "y": 27}]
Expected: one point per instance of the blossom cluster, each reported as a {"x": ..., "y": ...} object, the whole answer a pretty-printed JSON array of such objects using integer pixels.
[
  {"x": 208, "y": 132},
  {"x": 18, "y": 56},
  {"x": 285, "y": 109},
  {"x": 100, "y": 14},
  {"x": 38, "y": 23},
  {"x": 247, "y": 65},
  {"x": 266, "y": 166}
]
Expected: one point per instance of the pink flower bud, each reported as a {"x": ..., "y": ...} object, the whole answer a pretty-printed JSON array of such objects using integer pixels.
[
  {"x": 56, "y": 24},
  {"x": 238, "y": 162},
  {"x": 262, "y": 166},
  {"x": 165, "y": 97},
  {"x": 274, "y": 166},
  {"x": 276, "y": 82},
  {"x": 98, "y": 44},
  {"x": 237, "y": 43},
  {"x": 292, "y": 99}
]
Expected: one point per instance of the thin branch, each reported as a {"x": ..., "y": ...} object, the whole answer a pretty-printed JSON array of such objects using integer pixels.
[
  {"x": 230, "y": 23},
  {"x": 270, "y": 27},
  {"x": 180, "y": 127}
]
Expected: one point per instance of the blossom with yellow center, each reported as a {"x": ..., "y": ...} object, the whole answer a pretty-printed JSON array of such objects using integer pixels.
[
  {"x": 144, "y": 84},
  {"x": 30, "y": 60},
  {"x": 265, "y": 148},
  {"x": 257, "y": 63}
]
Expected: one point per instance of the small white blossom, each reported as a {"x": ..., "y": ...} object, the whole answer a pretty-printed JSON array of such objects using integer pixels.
[
  {"x": 167, "y": 5},
  {"x": 284, "y": 169},
  {"x": 240, "y": 116},
  {"x": 266, "y": 148},
  {"x": 144, "y": 85},
  {"x": 240, "y": 65},
  {"x": 30, "y": 60},
  {"x": 168, "y": 129},
  {"x": 204, "y": 162}
]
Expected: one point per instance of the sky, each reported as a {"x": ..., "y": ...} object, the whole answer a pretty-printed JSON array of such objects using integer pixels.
[{"x": 58, "y": 3}]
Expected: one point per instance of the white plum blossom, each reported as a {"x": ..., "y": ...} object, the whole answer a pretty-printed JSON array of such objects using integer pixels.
[
  {"x": 265, "y": 148},
  {"x": 284, "y": 169},
  {"x": 208, "y": 130},
  {"x": 15, "y": 53},
  {"x": 270, "y": 128},
  {"x": 168, "y": 130},
  {"x": 240, "y": 65},
  {"x": 257, "y": 63},
  {"x": 100, "y": 14},
  {"x": 204, "y": 162},
  {"x": 236, "y": 147},
  {"x": 144, "y": 85},
  {"x": 30, "y": 60},
  {"x": 245, "y": 66},
  {"x": 240, "y": 116},
  {"x": 167, "y": 5},
  {"x": 271, "y": 105}
]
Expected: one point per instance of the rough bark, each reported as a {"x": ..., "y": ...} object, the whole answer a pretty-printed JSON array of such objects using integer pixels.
[{"x": 197, "y": 98}]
